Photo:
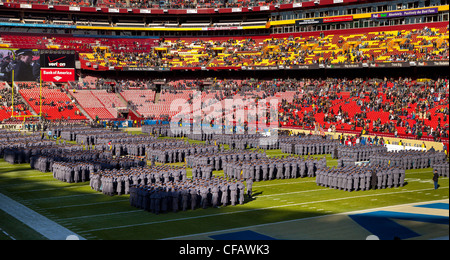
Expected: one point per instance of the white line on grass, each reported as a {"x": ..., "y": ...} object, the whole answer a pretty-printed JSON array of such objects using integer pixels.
[
  {"x": 289, "y": 193},
  {"x": 313, "y": 181},
  {"x": 34, "y": 220},
  {"x": 269, "y": 195},
  {"x": 49, "y": 189},
  {"x": 255, "y": 184},
  {"x": 54, "y": 181},
  {"x": 4, "y": 232},
  {"x": 257, "y": 209},
  {"x": 65, "y": 197},
  {"x": 87, "y": 204},
  {"x": 27, "y": 177},
  {"x": 300, "y": 181},
  {"x": 299, "y": 219},
  {"x": 102, "y": 215}
]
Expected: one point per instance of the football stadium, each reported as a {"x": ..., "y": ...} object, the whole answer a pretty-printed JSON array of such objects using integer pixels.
[{"x": 220, "y": 120}]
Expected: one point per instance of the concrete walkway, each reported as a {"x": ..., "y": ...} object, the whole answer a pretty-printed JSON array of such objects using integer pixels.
[{"x": 36, "y": 221}]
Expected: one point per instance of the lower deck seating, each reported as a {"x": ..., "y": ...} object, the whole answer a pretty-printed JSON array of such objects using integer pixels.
[{"x": 55, "y": 103}]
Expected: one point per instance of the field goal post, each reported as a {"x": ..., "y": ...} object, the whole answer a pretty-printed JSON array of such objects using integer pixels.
[{"x": 12, "y": 99}]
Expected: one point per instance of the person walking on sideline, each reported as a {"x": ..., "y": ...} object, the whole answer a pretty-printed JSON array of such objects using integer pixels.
[{"x": 435, "y": 179}]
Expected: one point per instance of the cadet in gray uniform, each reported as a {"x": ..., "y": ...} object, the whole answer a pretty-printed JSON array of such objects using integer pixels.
[
  {"x": 224, "y": 190},
  {"x": 241, "y": 188},
  {"x": 249, "y": 182},
  {"x": 193, "y": 192},
  {"x": 215, "y": 195},
  {"x": 233, "y": 193}
]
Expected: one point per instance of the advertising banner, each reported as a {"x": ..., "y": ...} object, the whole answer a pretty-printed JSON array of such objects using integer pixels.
[
  {"x": 337, "y": 19},
  {"x": 405, "y": 13},
  {"x": 58, "y": 74},
  {"x": 57, "y": 60}
]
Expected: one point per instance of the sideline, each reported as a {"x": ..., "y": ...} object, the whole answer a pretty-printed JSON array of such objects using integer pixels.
[
  {"x": 254, "y": 209},
  {"x": 36, "y": 221},
  {"x": 202, "y": 235}
]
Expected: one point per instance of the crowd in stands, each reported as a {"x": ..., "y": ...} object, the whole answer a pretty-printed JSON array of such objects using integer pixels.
[
  {"x": 172, "y": 4},
  {"x": 394, "y": 106},
  {"x": 425, "y": 44},
  {"x": 386, "y": 106},
  {"x": 49, "y": 100},
  {"x": 403, "y": 106}
]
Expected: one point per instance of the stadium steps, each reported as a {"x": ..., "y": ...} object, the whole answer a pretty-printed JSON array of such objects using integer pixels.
[
  {"x": 136, "y": 113},
  {"x": 79, "y": 106},
  {"x": 157, "y": 95}
]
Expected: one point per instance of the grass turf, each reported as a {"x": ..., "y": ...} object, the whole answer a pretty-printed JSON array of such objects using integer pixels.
[{"x": 96, "y": 216}]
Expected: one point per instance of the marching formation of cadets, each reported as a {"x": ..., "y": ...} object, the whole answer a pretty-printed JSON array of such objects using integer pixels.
[
  {"x": 284, "y": 167},
  {"x": 442, "y": 168},
  {"x": 116, "y": 164},
  {"x": 218, "y": 158},
  {"x": 361, "y": 177},
  {"x": 73, "y": 171},
  {"x": 348, "y": 155},
  {"x": 188, "y": 194},
  {"x": 22, "y": 151},
  {"x": 178, "y": 152},
  {"x": 243, "y": 141},
  {"x": 18, "y": 148},
  {"x": 157, "y": 130},
  {"x": 118, "y": 181},
  {"x": 307, "y": 145},
  {"x": 408, "y": 159},
  {"x": 135, "y": 147}
]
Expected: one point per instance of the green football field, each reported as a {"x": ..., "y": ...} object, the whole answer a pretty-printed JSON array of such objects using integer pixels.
[{"x": 94, "y": 215}]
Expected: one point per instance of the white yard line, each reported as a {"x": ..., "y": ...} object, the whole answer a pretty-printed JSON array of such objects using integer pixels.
[
  {"x": 54, "y": 231},
  {"x": 49, "y": 189},
  {"x": 88, "y": 204},
  {"x": 34, "y": 220},
  {"x": 104, "y": 215},
  {"x": 8, "y": 235},
  {"x": 300, "y": 219},
  {"x": 97, "y": 203},
  {"x": 257, "y": 209}
]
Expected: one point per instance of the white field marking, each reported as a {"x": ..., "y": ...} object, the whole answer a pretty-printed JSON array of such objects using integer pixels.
[
  {"x": 49, "y": 189},
  {"x": 284, "y": 183},
  {"x": 4, "y": 232},
  {"x": 102, "y": 215},
  {"x": 300, "y": 219},
  {"x": 65, "y": 197},
  {"x": 292, "y": 181},
  {"x": 54, "y": 181},
  {"x": 257, "y": 209},
  {"x": 28, "y": 177},
  {"x": 255, "y": 184},
  {"x": 34, "y": 220},
  {"x": 323, "y": 189},
  {"x": 289, "y": 193},
  {"x": 269, "y": 195},
  {"x": 88, "y": 204}
]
